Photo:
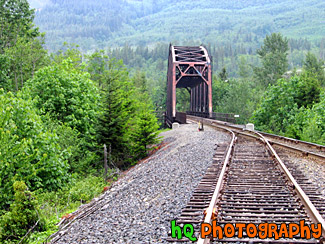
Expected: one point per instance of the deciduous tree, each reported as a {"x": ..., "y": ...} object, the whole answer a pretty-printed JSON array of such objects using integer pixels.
[
  {"x": 282, "y": 101},
  {"x": 16, "y": 20},
  {"x": 67, "y": 94},
  {"x": 28, "y": 150}
]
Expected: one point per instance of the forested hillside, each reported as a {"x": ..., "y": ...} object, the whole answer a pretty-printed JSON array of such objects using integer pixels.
[{"x": 108, "y": 23}]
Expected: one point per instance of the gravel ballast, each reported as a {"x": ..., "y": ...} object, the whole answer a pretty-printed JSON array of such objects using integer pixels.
[
  {"x": 312, "y": 169},
  {"x": 140, "y": 206}
]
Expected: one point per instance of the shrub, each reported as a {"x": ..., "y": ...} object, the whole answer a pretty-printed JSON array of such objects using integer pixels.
[
  {"x": 282, "y": 101},
  {"x": 23, "y": 215},
  {"x": 67, "y": 95},
  {"x": 28, "y": 151}
]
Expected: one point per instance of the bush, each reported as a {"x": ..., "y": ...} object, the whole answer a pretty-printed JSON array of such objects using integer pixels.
[
  {"x": 28, "y": 151},
  {"x": 57, "y": 204},
  {"x": 282, "y": 101},
  {"x": 72, "y": 101},
  {"x": 23, "y": 215},
  {"x": 67, "y": 95},
  {"x": 309, "y": 123}
]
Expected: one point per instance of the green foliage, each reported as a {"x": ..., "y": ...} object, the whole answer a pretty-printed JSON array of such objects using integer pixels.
[
  {"x": 309, "y": 123},
  {"x": 244, "y": 69},
  {"x": 126, "y": 124},
  {"x": 21, "y": 50},
  {"x": 313, "y": 132},
  {"x": 308, "y": 90},
  {"x": 69, "y": 52},
  {"x": 158, "y": 95},
  {"x": 67, "y": 94},
  {"x": 182, "y": 99},
  {"x": 223, "y": 75},
  {"x": 140, "y": 82},
  {"x": 117, "y": 111},
  {"x": 282, "y": 101},
  {"x": 145, "y": 133},
  {"x": 97, "y": 66},
  {"x": 315, "y": 66},
  {"x": 80, "y": 190},
  {"x": 244, "y": 24},
  {"x": 22, "y": 216},
  {"x": 4, "y": 72},
  {"x": 23, "y": 59},
  {"x": 16, "y": 20},
  {"x": 28, "y": 150},
  {"x": 81, "y": 157},
  {"x": 56, "y": 204},
  {"x": 235, "y": 96},
  {"x": 220, "y": 90},
  {"x": 273, "y": 55}
]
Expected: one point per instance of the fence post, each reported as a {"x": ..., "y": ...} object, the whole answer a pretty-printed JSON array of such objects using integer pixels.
[{"x": 105, "y": 162}]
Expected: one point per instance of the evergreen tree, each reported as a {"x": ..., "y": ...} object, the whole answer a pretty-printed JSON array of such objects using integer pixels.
[
  {"x": 21, "y": 45},
  {"x": 117, "y": 111},
  {"x": 24, "y": 59},
  {"x": 273, "y": 55},
  {"x": 145, "y": 133},
  {"x": 315, "y": 66},
  {"x": 146, "y": 125},
  {"x": 127, "y": 122},
  {"x": 140, "y": 81},
  {"x": 223, "y": 75}
]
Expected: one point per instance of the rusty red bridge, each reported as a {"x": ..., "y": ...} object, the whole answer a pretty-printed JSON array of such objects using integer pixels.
[{"x": 190, "y": 68}]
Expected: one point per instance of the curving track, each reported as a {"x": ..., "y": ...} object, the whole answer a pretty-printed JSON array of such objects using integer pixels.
[{"x": 249, "y": 183}]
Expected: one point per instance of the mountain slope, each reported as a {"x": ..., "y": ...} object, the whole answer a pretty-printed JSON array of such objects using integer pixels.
[{"x": 104, "y": 23}]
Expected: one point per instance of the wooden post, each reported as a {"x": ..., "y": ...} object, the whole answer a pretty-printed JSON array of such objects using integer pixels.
[
  {"x": 105, "y": 161},
  {"x": 110, "y": 155}
]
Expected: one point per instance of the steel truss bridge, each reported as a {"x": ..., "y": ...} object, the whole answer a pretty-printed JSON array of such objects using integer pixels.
[{"x": 190, "y": 68}]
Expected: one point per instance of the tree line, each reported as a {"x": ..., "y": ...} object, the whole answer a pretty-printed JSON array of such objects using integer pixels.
[
  {"x": 57, "y": 113},
  {"x": 278, "y": 100}
]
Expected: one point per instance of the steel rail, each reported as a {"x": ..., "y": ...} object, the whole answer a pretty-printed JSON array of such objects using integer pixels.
[
  {"x": 216, "y": 193},
  {"x": 309, "y": 206},
  {"x": 305, "y": 153},
  {"x": 239, "y": 129},
  {"x": 294, "y": 141}
]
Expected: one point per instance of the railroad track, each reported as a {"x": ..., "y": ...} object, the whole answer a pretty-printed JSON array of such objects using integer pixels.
[
  {"x": 247, "y": 188},
  {"x": 306, "y": 149}
]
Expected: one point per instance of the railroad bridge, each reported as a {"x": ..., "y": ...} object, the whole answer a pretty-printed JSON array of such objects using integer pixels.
[{"x": 190, "y": 68}]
